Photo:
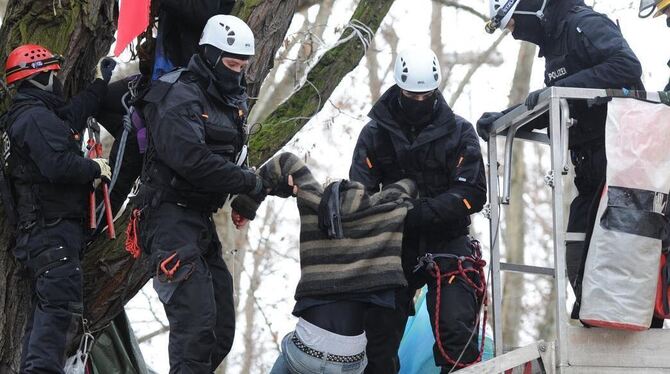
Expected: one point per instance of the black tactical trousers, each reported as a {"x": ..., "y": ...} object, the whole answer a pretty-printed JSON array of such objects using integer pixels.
[
  {"x": 458, "y": 312},
  {"x": 590, "y": 164},
  {"x": 198, "y": 298},
  {"x": 51, "y": 253}
]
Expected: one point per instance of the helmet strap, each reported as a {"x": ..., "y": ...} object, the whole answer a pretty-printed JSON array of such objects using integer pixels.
[
  {"x": 212, "y": 55},
  {"x": 46, "y": 86},
  {"x": 539, "y": 14}
]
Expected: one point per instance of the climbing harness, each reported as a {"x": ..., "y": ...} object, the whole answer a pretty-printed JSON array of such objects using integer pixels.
[{"x": 467, "y": 265}]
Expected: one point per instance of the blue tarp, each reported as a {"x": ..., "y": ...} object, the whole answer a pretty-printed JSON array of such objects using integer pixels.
[{"x": 416, "y": 348}]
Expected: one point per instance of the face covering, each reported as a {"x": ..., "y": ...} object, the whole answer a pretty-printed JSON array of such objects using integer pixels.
[
  {"x": 47, "y": 81},
  {"x": 227, "y": 82},
  {"x": 528, "y": 27},
  {"x": 417, "y": 112}
]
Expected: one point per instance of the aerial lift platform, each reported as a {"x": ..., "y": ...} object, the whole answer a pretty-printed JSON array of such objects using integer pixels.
[{"x": 576, "y": 350}]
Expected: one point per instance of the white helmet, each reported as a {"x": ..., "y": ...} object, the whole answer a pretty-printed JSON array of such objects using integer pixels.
[
  {"x": 229, "y": 34},
  {"x": 501, "y": 12},
  {"x": 417, "y": 70}
]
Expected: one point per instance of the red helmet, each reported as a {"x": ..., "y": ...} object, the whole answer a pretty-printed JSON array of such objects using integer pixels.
[{"x": 29, "y": 59}]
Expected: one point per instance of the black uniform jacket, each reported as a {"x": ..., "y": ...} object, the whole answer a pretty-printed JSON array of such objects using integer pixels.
[{"x": 444, "y": 160}]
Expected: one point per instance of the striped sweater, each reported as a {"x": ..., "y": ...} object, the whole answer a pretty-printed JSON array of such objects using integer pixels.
[{"x": 368, "y": 257}]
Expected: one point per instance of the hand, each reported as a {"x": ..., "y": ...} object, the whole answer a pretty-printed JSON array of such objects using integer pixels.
[
  {"x": 285, "y": 188},
  {"x": 105, "y": 170},
  {"x": 413, "y": 217},
  {"x": 485, "y": 123},
  {"x": 533, "y": 98},
  {"x": 105, "y": 69},
  {"x": 260, "y": 190},
  {"x": 238, "y": 220}
]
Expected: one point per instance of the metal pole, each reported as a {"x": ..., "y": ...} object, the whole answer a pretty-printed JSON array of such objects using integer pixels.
[
  {"x": 494, "y": 224},
  {"x": 558, "y": 127}
]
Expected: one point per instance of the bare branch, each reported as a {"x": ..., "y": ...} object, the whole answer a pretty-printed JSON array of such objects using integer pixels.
[
  {"x": 153, "y": 334},
  {"x": 475, "y": 66},
  {"x": 457, "y": 5}
]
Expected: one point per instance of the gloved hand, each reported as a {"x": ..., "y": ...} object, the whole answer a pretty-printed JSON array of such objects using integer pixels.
[
  {"x": 260, "y": 190},
  {"x": 485, "y": 123},
  {"x": 105, "y": 69},
  {"x": 285, "y": 188},
  {"x": 533, "y": 98},
  {"x": 413, "y": 217},
  {"x": 105, "y": 171}
]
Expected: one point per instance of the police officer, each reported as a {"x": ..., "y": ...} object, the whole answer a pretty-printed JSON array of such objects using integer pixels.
[
  {"x": 413, "y": 133},
  {"x": 195, "y": 119},
  {"x": 179, "y": 28},
  {"x": 51, "y": 180},
  {"x": 647, "y": 8},
  {"x": 582, "y": 48}
]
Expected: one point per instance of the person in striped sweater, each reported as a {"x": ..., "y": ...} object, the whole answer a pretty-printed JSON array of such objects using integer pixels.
[{"x": 350, "y": 247}]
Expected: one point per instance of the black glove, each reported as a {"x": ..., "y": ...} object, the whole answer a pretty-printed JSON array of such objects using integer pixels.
[
  {"x": 533, "y": 98},
  {"x": 283, "y": 189},
  {"x": 485, "y": 123},
  {"x": 413, "y": 217},
  {"x": 259, "y": 192},
  {"x": 107, "y": 65}
]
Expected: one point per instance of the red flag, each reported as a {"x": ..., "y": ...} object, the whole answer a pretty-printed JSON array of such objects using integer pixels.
[{"x": 133, "y": 20}]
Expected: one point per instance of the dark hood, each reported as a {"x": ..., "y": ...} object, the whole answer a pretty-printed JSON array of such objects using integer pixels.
[
  {"x": 198, "y": 66},
  {"x": 385, "y": 112},
  {"x": 556, "y": 13}
]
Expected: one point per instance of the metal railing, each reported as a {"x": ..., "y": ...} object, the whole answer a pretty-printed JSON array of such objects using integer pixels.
[{"x": 553, "y": 101}]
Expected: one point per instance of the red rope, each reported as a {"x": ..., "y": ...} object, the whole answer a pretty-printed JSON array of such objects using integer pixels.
[
  {"x": 478, "y": 268},
  {"x": 132, "y": 241}
]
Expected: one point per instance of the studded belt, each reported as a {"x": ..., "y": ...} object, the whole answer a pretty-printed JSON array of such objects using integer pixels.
[{"x": 329, "y": 357}]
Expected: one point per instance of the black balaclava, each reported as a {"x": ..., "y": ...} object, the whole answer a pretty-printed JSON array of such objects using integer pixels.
[
  {"x": 417, "y": 113},
  {"x": 227, "y": 81},
  {"x": 46, "y": 87},
  {"x": 528, "y": 27},
  {"x": 46, "y": 81}
]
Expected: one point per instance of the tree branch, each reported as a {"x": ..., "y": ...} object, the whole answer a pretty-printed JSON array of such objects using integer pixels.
[
  {"x": 473, "y": 69},
  {"x": 321, "y": 81},
  {"x": 153, "y": 334},
  {"x": 457, "y": 5}
]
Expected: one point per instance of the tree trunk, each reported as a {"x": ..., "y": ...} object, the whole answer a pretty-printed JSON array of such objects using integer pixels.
[
  {"x": 515, "y": 219},
  {"x": 269, "y": 19},
  {"x": 70, "y": 28},
  {"x": 275, "y": 91},
  {"x": 322, "y": 80},
  {"x": 83, "y": 31}
]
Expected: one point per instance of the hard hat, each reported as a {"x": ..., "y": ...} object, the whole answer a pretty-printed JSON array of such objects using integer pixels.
[
  {"x": 229, "y": 34},
  {"x": 417, "y": 70},
  {"x": 501, "y": 12},
  {"x": 29, "y": 59}
]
